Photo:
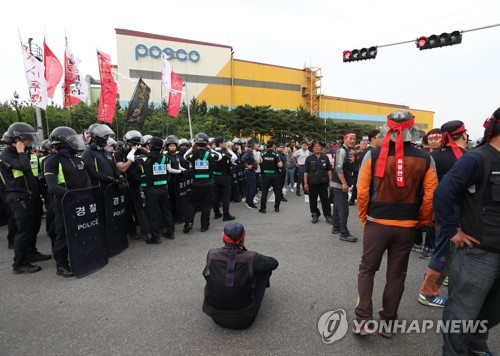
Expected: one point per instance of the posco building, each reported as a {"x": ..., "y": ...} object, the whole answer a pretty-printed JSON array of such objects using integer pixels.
[{"x": 212, "y": 74}]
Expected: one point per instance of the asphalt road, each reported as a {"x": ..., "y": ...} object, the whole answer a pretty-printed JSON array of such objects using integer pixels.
[{"x": 147, "y": 300}]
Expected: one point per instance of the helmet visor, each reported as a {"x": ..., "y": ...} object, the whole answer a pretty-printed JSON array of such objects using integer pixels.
[
  {"x": 76, "y": 142},
  {"x": 30, "y": 139}
]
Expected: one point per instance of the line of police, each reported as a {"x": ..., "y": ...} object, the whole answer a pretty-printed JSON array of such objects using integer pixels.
[{"x": 161, "y": 188}]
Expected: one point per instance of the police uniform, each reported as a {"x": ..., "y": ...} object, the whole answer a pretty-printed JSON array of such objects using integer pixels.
[
  {"x": 270, "y": 178},
  {"x": 202, "y": 188},
  {"x": 100, "y": 166},
  {"x": 222, "y": 183},
  {"x": 154, "y": 181},
  {"x": 64, "y": 171},
  {"x": 23, "y": 197}
]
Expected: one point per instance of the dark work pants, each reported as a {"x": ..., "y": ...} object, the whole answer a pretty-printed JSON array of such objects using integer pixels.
[
  {"x": 158, "y": 211},
  {"x": 270, "y": 180},
  {"x": 250, "y": 186},
  {"x": 201, "y": 198},
  {"x": 261, "y": 283},
  {"x": 340, "y": 212},
  {"x": 50, "y": 218},
  {"x": 300, "y": 178},
  {"x": 473, "y": 294},
  {"x": 130, "y": 212},
  {"x": 27, "y": 216},
  {"x": 378, "y": 238},
  {"x": 60, "y": 248},
  {"x": 222, "y": 194},
  {"x": 320, "y": 190},
  {"x": 354, "y": 191}
]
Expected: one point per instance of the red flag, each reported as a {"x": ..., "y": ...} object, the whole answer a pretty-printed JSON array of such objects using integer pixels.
[
  {"x": 175, "y": 96},
  {"x": 107, "y": 101},
  {"x": 53, "y": 70}
]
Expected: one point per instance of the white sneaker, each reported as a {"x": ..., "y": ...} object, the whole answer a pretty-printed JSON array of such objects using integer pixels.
[
  {"x": 291, "y": 190},
  {"x": 255, "y": 200},
  {"x": 283, "y": 191}
]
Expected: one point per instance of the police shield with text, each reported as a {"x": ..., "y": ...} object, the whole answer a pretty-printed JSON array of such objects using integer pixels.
[
  {"x": 64, "y": 172},
  {"x": 22, "y": 195}
]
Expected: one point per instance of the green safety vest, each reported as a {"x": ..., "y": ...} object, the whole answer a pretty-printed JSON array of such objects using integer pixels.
[
  {"x": 156, "y": 166},
  {"x": 206, "y": 173}
]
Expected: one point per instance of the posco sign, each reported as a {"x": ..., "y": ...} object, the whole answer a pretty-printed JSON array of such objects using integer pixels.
[{"x": 155, "y": 52}]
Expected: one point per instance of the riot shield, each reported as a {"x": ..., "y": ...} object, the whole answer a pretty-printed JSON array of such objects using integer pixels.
[
  {"x": 83, "y": 214},
  {"x": 116, "y": 220}
]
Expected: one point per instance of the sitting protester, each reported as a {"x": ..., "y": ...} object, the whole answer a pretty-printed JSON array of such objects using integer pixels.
[{"x": 236, "y": 280}]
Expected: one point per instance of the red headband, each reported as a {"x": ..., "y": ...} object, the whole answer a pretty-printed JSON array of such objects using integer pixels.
[
  {"x": 349, "y": 134},
  {"x": 229, "y": 240},
  {"x": 397, "y": 127},
  {"x": 436, "y": 135},
  {"x": 447, "y": 138}
]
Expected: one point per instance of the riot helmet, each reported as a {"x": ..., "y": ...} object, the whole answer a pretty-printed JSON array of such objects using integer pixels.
[
  {"x": 23, "y": 132},
  {"x": 45, "y": 146},
  {"x": 100, "y": 135},
  {"x": 66, "y": 136},
  {"x": 171, "y": 140},
  {"x": 133, "y": 136},
  {"x": 201, "y": 139},
  {"x": 145, "y": 139},
  {"x": 183, "y": 141}
]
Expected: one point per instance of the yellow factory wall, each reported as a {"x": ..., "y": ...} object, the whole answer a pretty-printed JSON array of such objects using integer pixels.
[
  {"x": 255, "y": 95},
  {"x": 366, "y": 111}
]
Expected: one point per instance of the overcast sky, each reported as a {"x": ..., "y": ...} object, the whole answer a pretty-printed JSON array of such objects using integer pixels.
[{"x": 457, "y": 83}]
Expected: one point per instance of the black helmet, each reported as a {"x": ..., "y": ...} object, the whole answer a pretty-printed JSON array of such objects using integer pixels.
[
  {"x": 102, "y": 130},
  {"x": 133, "y": 136},
  {"x": 66, "y": 135},
  {"x": 201, "y": 139},
  {"x": 22, "y": 131},
  {"x": 155, "y": 144},
  {"x": 46, "y": 145},
  {"x": 171, "y": 139}
]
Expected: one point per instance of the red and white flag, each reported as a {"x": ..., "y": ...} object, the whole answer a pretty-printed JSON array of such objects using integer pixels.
[
  {"x": 175, "y": 96},
  {"x": 53, "y": 70},
  {"x": 166, "y": 73},
  {"x": 35, "y": 75},
  {"x": 107, "y": 101},
  {"x": 75, "y": 86}
]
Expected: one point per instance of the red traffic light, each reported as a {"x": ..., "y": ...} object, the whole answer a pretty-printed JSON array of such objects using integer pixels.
[
  {"x": 421, "y": 42},
  {"x": 359, "y": 54},
  {"x": 434, "y": 41}
]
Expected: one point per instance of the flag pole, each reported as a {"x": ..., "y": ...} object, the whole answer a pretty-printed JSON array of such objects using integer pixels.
[{"x": 189, "y": 112}]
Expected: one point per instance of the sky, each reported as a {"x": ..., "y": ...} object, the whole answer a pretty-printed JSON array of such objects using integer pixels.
[{"x": 459, "y": 82}]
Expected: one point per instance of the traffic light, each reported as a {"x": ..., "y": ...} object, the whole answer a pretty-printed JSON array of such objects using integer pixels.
[
  {"x": 360, "y": 54},
  {"x": 434, "y": 41}
]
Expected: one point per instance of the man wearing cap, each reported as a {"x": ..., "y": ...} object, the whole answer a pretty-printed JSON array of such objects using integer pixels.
[
  {"x": 299, "y": 159},
  {"x": 236, "y": 280},
  {"x": 271, "y": 164},
  {"x": 474, "y": 288},
  {"x": 454, "y": 141},
  {"x": 250, "y": 166},
  {"x": 222, "y": 179},
  {"x": 342, "y": 179},
  {"x": 395, "y": 188},
  {"x": 317, "y": 178}
]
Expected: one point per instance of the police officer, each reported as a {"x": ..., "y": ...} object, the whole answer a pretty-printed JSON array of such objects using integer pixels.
[
  {"x": 171, "y": 143},
  {"x": 64, "y": 171},
  {"x": 99, "y": 162},
  {"x": 223, "y": 179},
  {"x": 236, "y": 280},
  {"x": 23, "y": 196},
  {"x": 201, "y": 159},
  {"x": 154, "y": 182},
  {"x": 270, "y": 166},
  {"x": 317, "y": 178},
  {"x": 134, "y": 197}
]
